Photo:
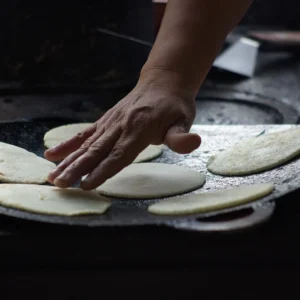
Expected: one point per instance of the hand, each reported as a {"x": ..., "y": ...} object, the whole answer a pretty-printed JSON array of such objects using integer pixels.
[{"x": 149, "y": 114}]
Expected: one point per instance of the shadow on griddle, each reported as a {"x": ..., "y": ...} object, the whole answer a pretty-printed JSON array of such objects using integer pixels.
[{"x": 235, "y": 215}]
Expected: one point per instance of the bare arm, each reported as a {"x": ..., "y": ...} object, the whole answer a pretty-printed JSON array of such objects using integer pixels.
[
  {"x": 161, "y": 108},
  {"x": 191, "y": 35}
]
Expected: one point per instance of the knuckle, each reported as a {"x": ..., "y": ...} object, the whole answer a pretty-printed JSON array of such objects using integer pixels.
[
  {"x": 60, "y": 168},
  {"x": 118, "y": 152},
  {"x": 185, "y": 126},
  {"x": 86, "y": 144},
  {"x": 94, "y": 150},
  {"x": 185, "y": 117},
  {"x": 74, "y": 166},
  {"x": 137, "y": 119},
  {"x": 80, "y": 135}
]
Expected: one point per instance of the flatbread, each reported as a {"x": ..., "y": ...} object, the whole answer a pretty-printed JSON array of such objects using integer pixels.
[
  {"x": 18, "y": 165},
  {"x": 151, "y": 152},
  {"x": 51, "y": 200},
  {"x": 257, "y": 154},
  {"x": 60, "y": 134},
  {"x": 207, "y": 202},
  {"x": 151, "y": 180}
]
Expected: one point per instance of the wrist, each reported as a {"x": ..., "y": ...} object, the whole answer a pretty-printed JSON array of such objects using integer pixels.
[{"x": 167, "y": 78}]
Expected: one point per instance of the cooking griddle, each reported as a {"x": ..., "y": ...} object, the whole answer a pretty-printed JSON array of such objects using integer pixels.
[{"x": 126, "y": 212}]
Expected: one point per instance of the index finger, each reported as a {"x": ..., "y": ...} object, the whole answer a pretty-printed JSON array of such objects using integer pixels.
[
  {"x": 122, "y": 154},
  {"x": 65, "y": 148}
]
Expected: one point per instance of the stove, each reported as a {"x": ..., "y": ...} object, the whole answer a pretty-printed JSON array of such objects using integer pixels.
[{"x": 151, "y": 257}]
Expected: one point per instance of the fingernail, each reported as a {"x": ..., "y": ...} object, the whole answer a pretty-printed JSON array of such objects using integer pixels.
[
  {"x": 88, "y": 185},
  {"x": 50, "y": 179},
  {"x": 60, "y": 182},
  {"x": 84, "y": 184},
  {"x": 54, "y": 172},
  {"x": 53, "y": 148},
  {"x": 49, "y": 150},
  {"x": 84, "y": 179},
  {"x": 56, "y": 181}
]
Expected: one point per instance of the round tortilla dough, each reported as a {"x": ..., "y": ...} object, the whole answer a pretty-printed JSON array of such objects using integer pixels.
[
  {"x": 18, "y": 165},
  {"x": 207, "y": 202},
  {"x": 151, "y": 152},
  {"x": 257, "y": 154},
  {"x": 60, "y": 134},
  {"x": 151, "y": 180},
  {"x": 52, "y": 200}
]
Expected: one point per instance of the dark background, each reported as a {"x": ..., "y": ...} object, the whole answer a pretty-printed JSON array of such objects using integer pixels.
[
  {"x": 56, "y": 42},
  {"x": 182, "y": 264},
  {"x": 278, "y": 13}
]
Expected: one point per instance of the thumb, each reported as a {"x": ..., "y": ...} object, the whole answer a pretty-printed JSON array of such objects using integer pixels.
[{"x": 181, "y": 141}]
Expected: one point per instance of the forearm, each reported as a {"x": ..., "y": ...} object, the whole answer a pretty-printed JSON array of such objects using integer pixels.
[{"x": 191, "y": 35}]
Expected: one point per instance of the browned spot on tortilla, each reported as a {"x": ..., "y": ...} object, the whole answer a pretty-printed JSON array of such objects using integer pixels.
[{"x": 1, "y": 173}]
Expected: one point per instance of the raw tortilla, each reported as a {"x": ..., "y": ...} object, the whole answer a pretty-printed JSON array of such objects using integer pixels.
[
  {"x": 257, "y": 154},
  {"x": 206, "y": 202},
  {"x": 60, "y": 134},
  {"x": 151, "y": 180},
  {"x": 18, "y": 165},
  {"x": 149, "y": 153},
  {"x": 52, "y": 200}
]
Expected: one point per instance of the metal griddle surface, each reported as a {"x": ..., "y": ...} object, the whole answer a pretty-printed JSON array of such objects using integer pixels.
[{"x": 29, "y": 135}]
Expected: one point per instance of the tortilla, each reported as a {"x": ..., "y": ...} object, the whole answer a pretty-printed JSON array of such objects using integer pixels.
[
  {"x": 60, "y": 134},
  {"x": 211, "y": 201},
  {"x": 257, "y": 154},
  {"x": 151, "y": 180},
  {"x": 151, "y": 152},
  {"x": 18, "y": 165},
  {"x": 52, "y": 200}
]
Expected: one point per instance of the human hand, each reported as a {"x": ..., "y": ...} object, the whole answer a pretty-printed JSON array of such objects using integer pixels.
[{"x": 150, "y": 114}]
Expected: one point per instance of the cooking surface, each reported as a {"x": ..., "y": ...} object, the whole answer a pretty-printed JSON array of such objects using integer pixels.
[
  {"x": 29, "y": 135},
  {"x": 27, "y": 246}
]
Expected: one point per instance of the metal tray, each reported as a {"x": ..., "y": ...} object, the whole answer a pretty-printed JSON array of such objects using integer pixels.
[{"x": 29, "y": 135}]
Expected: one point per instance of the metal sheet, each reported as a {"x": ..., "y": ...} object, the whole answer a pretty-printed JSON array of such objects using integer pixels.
[{"x": 134, "y": 212}]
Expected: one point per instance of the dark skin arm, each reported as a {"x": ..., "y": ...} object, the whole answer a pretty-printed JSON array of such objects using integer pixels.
[{"x": 161, "y": 107}]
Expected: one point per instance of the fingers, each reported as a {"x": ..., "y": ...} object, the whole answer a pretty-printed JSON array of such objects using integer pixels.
[
  {"x": 72, "y": 171},
  {"x": 123, "y": 154},
  {"x": 72, "y": 157},
  {"x": 62, "y": 150},
  {"x": 179, "y": 140}
]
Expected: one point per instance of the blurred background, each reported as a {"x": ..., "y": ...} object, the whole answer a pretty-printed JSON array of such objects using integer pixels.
[
  {"x": 57, "y": 42},
  {"x": 63, "y": 60}
]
